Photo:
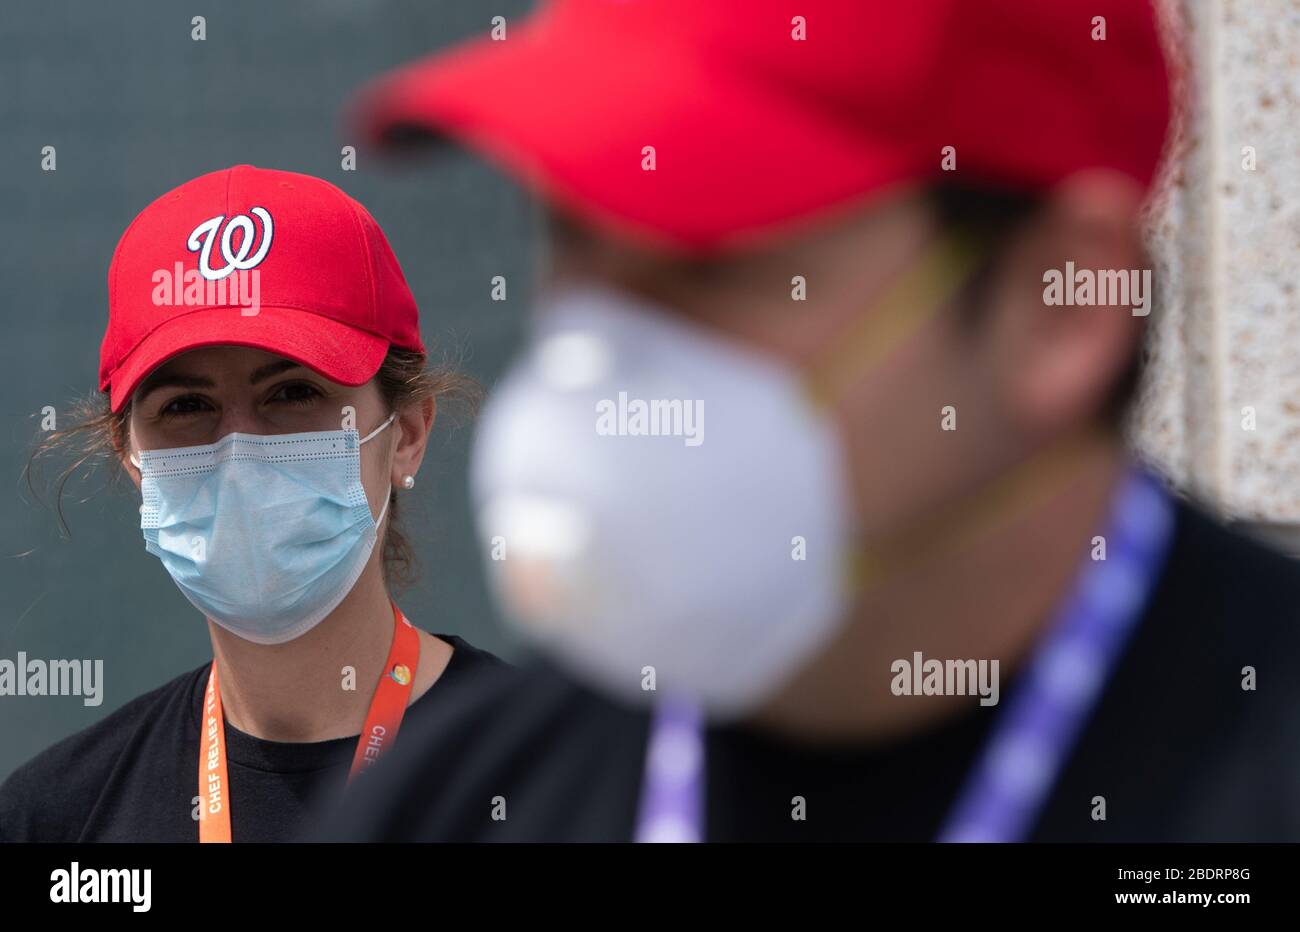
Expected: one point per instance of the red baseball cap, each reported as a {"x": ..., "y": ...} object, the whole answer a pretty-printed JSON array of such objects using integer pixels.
[
  {"x": 761, "y": 114},
  {"x": 328, "y": 290}
]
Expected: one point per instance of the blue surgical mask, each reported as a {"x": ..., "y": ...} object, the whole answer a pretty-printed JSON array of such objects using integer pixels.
[{"x": 265, "y": 535}]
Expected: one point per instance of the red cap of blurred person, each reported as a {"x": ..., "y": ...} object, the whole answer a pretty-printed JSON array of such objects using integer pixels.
[{"x": 707, "y": 125}]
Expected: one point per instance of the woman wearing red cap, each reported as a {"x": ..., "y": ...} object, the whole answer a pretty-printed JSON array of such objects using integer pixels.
[{"x": 265, "y": 386}]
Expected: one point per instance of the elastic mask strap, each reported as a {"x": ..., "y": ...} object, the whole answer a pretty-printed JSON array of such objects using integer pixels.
[
  {"x": 915, "y": 297},
  {"x": 134, "y": 462},
  {"x": 380, "y": 427},
  {"x": 961, "y": 524},
  {"x": 383, "y": 511},
  {"x": 389, "y": 497}
]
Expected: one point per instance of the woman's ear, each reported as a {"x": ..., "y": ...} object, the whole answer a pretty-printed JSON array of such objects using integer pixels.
[
  {"x": 124, "y": 458},
  {"x": 416, "y": 422}
]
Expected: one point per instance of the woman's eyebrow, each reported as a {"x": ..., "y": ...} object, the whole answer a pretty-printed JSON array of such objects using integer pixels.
[
  {"x": 168, "y": 379},
  {"x": 187, "y": 380},
  {"x": 272, "y": 368}
]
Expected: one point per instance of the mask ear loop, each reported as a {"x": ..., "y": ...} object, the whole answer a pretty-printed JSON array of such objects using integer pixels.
[
  {"x": 389, "y": 497},
  {"x": 383, "y": 511},
  {"x": 387, "y": 421}
]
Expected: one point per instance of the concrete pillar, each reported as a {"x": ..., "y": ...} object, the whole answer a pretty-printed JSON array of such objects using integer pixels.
[{"x": 1220, "y": 409}]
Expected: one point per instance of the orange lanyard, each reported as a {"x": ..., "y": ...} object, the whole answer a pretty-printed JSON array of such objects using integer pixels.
[{"x": 382, "y": 722}]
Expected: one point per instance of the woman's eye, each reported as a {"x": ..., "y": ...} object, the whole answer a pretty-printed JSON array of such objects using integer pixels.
[
  {"x": 296, "y": 393},
  {"x": 183, "y": 405}
]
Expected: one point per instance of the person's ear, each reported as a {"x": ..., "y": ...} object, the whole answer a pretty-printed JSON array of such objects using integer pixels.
[
  {"x": 125, "y": 459},
  {"x": 415, "y": 421},
  {"x": 1059, "y": 358}
]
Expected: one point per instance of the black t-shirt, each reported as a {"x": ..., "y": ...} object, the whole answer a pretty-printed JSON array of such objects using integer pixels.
[
  {"x": 133, "y": 776},
  {"x": 1175, "y": 745}
]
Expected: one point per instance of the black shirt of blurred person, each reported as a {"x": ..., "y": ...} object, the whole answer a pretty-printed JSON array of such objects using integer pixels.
[{"x": 1177, "y": 747}]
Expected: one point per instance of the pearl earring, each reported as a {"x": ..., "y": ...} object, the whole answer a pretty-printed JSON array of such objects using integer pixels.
[{"x": 408, "y": 482}]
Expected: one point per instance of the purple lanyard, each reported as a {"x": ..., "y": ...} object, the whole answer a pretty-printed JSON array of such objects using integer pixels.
[{"x": 1019, "y": 763}]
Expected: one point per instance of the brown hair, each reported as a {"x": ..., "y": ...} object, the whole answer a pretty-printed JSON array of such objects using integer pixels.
[{"x": 404, "y": 378}]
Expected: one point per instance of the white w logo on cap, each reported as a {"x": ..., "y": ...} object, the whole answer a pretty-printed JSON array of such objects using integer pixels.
[{"x": 208, "y": 230}]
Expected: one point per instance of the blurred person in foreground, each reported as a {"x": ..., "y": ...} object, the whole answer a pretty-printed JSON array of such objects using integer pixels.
[{"x": 903, "y": 582}]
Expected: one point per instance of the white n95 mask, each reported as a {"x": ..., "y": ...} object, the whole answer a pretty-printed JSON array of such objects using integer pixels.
[
  {"x": 660, "y": 506},
  {"x": 653, "y": 549},
  {"x": 264, "y": 534}
]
